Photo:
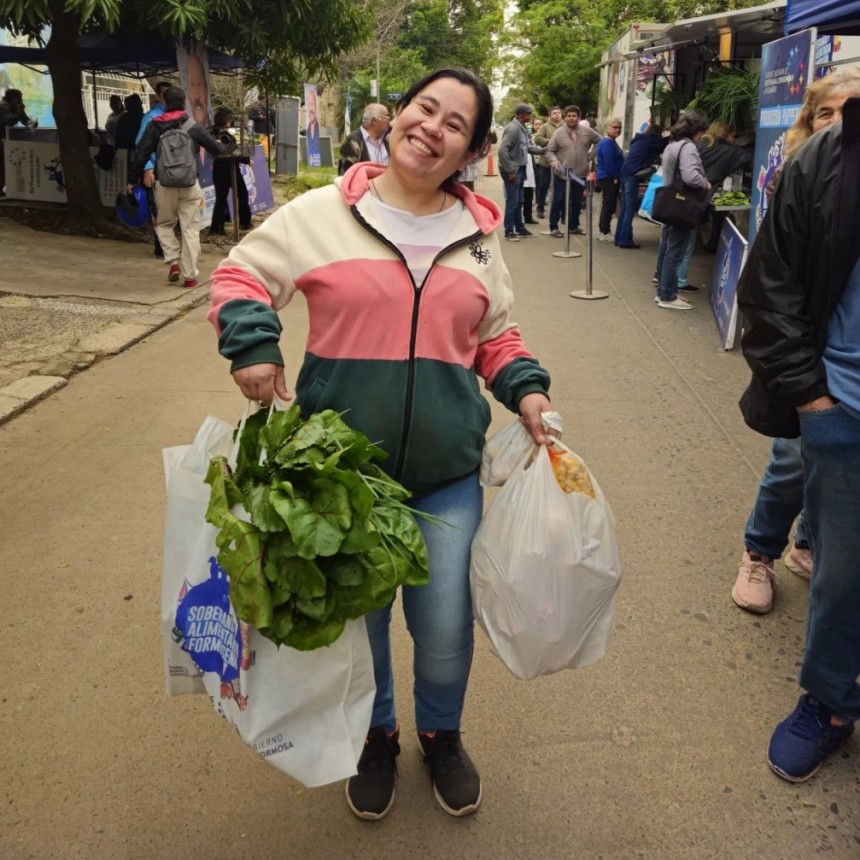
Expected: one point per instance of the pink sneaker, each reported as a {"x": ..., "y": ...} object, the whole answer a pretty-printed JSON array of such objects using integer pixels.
[
  {"x": 173, "y": 273},
  {"x": 799, "y": 561},
  {"x": 753, "y": 589}
]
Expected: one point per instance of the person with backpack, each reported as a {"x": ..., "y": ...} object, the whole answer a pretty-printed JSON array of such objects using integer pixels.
[{"x": 175, "y": 140}]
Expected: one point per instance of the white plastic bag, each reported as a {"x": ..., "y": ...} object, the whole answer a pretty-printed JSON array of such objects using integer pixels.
[
  {"x": 307, "y": 713},
  {"x": 545, "y": 568},
  {"x": 504, "y": 451}
]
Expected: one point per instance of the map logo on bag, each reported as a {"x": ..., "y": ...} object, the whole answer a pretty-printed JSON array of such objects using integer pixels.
[{"x": 209, "y": 631}]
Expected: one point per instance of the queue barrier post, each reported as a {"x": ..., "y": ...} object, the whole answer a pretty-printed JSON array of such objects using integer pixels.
[
  {"x": 566, "y": 253},
  {"x": 588, "y": 293}
]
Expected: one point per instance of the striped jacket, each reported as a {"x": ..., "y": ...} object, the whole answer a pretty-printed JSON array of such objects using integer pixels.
[{"x": 401, "y": 358}]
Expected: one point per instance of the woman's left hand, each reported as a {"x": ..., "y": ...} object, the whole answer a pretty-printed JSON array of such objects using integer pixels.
[{"x": 530, "y": 408}]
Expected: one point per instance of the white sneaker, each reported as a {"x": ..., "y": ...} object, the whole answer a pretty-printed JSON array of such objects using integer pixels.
[
  {"x": 605, "y": 237},
  {"x": 676, "y": 305}
]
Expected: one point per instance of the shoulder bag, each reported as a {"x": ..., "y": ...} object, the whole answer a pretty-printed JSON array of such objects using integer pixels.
[{"x": 679, "y": 204}]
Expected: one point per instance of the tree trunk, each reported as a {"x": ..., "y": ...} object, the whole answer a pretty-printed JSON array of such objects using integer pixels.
[{"x": 64, "y": 63}]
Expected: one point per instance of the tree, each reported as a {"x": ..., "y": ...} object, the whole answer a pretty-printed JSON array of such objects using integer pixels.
[
  {"x": 282, "y": 42},
  {"x": 560, "y": 42}
]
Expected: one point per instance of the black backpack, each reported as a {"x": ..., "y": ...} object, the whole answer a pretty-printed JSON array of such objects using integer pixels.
[{"x": 176, "y": 158}]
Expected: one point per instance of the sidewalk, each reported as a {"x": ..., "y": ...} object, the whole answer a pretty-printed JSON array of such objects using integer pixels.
[{"x": 658, "y": 751}]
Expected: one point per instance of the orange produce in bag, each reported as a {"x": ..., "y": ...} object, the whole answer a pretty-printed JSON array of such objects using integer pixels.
[{"x": 570, "y": 471}]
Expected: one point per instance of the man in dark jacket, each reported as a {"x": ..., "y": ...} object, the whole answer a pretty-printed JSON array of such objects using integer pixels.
[
  {"x": 12, "y": 112},
  {"x": 800, "y": 297},
  {"x": 369, "y": 142},
  {"x": 174, "y": 204}
]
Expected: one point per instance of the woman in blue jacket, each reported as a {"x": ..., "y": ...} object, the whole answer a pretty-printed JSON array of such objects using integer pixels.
[
  {"x": 643, "y": 152},
  {"x": 610, "y": 158}
]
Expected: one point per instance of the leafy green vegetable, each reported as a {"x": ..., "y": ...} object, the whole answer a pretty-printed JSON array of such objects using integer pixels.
[{"x": 312, "y": 533}]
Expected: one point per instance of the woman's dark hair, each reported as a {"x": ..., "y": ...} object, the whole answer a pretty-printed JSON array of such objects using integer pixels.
[
  {"x": 174, "y": 99},
  {"x": 690, "y": 124},
  {"x": 223, "y": 117},
  {"x": 484, "y": 118},
  {"x": 654, "y": 128}
]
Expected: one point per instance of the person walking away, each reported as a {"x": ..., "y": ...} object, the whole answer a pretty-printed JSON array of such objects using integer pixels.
[
  {"x": 369, "y": 142},
  {"x": 12, "y": 112},
  {"x": 799, "y": 294},
  {"x": 683, "y": 154},
  {"x": 148, "y": 178},
  {"x": 530, "y": 182},
  {"x": 514, "y": 152},
  {"x": 645, "y": 149},
  {"x": 117, "y": 110},
  {"x": 780, "y": 496},
  {"x": 396, "y": 233},
  {"x": 610, "y": 158},
  {"x": 175, "y": 139},
  {"x": 543, "y": 172},
  {"x": 128, "y": 126},
  {"x": 569, "y": 152},
  {"x": 222, "y": 177}
]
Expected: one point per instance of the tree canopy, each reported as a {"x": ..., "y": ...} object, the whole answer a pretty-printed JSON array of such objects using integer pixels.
[{"x": 283, "y": 42}]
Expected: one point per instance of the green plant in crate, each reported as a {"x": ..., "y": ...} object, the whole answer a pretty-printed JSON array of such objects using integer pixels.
[{"x": 729, "y": 97}]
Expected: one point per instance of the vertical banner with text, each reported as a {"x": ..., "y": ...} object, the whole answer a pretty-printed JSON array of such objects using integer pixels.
[
  {"x": 312, "y": 130},
  {"x": 786, "y": 70}
]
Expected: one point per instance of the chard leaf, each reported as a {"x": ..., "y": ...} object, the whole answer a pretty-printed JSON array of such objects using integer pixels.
[
  {"x": 318, "y": 608},
  {"x": 304, "y": 578},
  {"x": 360, "y": 495},
  {"x": 307, "y": 635},
  {"x": 343, "y": 570},
  {"x": 313, "y": 535},
  {"x": 224, "y": 493},
  {"x": 262, "y": 512},
  {"x": 281, "y": 625},
  {"x": 360, "y": 538},
  {"x": 280, "y": 427},
  {"x": 241, "y": 557}
]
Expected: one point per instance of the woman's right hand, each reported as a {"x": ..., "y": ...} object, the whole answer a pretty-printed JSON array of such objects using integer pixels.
[{"x": 262, "y": 382}]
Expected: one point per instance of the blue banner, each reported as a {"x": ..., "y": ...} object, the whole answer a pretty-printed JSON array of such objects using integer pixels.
[
  {"x": 786, "y": 68},
  {"x": 729, "y": 261}
]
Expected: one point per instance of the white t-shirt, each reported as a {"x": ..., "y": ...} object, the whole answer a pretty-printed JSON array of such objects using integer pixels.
[{"x": 419, "y": 237}]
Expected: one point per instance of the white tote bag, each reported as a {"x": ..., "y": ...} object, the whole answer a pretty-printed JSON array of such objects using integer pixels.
[
  {"x": 545, "y": 568},
  {"x": 306, "y": 712}
]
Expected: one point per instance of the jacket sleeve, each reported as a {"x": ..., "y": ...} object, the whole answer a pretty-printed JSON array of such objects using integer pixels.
[
  {"x": 690, "y": 165},
  {"x": 779, "y": 341},
  {"x": 507, "y": 148},
  {"x": 502, "y": 359},
  {"x": 143, "y": 153},
  {"x": 202, "y": 137}
]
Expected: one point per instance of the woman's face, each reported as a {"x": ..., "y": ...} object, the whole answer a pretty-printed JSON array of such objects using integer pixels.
[
  {"x": 430, "y": 136},
  {"x": 829, "y": 110},
  {"x": 536, "y": 126}
]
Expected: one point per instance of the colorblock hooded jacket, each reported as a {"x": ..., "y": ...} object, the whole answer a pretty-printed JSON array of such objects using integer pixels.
[{"x": 401, "y": 359}]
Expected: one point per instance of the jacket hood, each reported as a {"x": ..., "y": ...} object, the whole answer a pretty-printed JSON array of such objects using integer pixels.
[
  {"x": 355, "y": 183},
  {"x": 171, "y": 116}
]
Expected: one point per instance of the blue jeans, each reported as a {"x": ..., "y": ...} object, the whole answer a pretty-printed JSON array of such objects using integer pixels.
[
  {"x": 558, "y": 197},
  {"x": 831, "y": 495},
  {"x": 673, "y": 241},
  {"x": 778, "y": 502},
  {"x": 438, "y": 616},
  {"x": 684, "y": 268},
  {"x": 542, "y": 178},
  {"x": 514, "y": 202},
  {"x": 629, "y": 203}
]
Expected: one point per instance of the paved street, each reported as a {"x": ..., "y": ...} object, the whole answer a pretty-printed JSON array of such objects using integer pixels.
[{"x": 656, "y": 752}]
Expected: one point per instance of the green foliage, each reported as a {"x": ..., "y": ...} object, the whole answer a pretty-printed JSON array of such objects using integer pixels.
[
  {"x": 560, "y": 42},
  {"x": 729, "y": 97},
  {"x": 329, "y": 537}
]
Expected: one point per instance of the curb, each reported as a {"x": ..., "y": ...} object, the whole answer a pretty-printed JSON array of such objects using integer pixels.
[{"x": 117, "y": 337}]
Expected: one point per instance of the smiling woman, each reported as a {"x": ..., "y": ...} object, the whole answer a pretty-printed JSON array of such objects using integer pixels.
[{"x": 409, "y": 304}]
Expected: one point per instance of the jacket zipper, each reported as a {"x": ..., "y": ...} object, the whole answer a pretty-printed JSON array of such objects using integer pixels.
[{"x": 413, "y": 333}]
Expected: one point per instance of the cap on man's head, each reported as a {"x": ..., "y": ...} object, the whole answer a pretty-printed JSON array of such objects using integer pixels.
[{"x": 523, "y": 109}]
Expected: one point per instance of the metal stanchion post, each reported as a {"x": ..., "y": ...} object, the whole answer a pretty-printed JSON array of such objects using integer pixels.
[
  {"x": 588, "y": 293},
  {"x": 567, "y": 253}
]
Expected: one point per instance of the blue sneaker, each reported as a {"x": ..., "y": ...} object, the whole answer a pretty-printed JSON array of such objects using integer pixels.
[{"x": 802, "y": 742}]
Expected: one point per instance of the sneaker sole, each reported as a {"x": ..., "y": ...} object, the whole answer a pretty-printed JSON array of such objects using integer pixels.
[
  {"x": 666, "y": 306},
  {"x": 759, "y": 610},
  {"x": 367, "y": 816},
  {"x": 789, "y": 777},
  {"x": 457, "y": 813}
]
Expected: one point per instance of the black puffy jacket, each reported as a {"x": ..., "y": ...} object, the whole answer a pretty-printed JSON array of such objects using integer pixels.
[{"x": 796, "y": 273}]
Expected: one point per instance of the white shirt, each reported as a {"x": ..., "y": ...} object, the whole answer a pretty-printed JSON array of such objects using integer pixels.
[{"x": 376, "y": 149}]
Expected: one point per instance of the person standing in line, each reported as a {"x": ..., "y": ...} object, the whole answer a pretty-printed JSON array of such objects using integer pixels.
[
  {"x": 530, "y": 180},
  {"x": 644, "y": 150},
  {"x": 393, "y": 234},
  {"x": 543, "y": 171},
  {"x": 369, "y": 142},
  {"x": 570, "y": 152},
  {"x": 779, "y": 499},
  {"x": 148, "y": 178},
  {"x": 514, "y": 151},
  {"x": 117, "y": 110},
  {"x": 610, "y": 159},
  {"x": 12, "y": 113},
  {"x": 681, "y": 153},
  {"x": 128, "y": 126},
  {"x": 176, "y": 204},
  {"x": 222, "y": 177},
  {"x": 799, "y": 294}
]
